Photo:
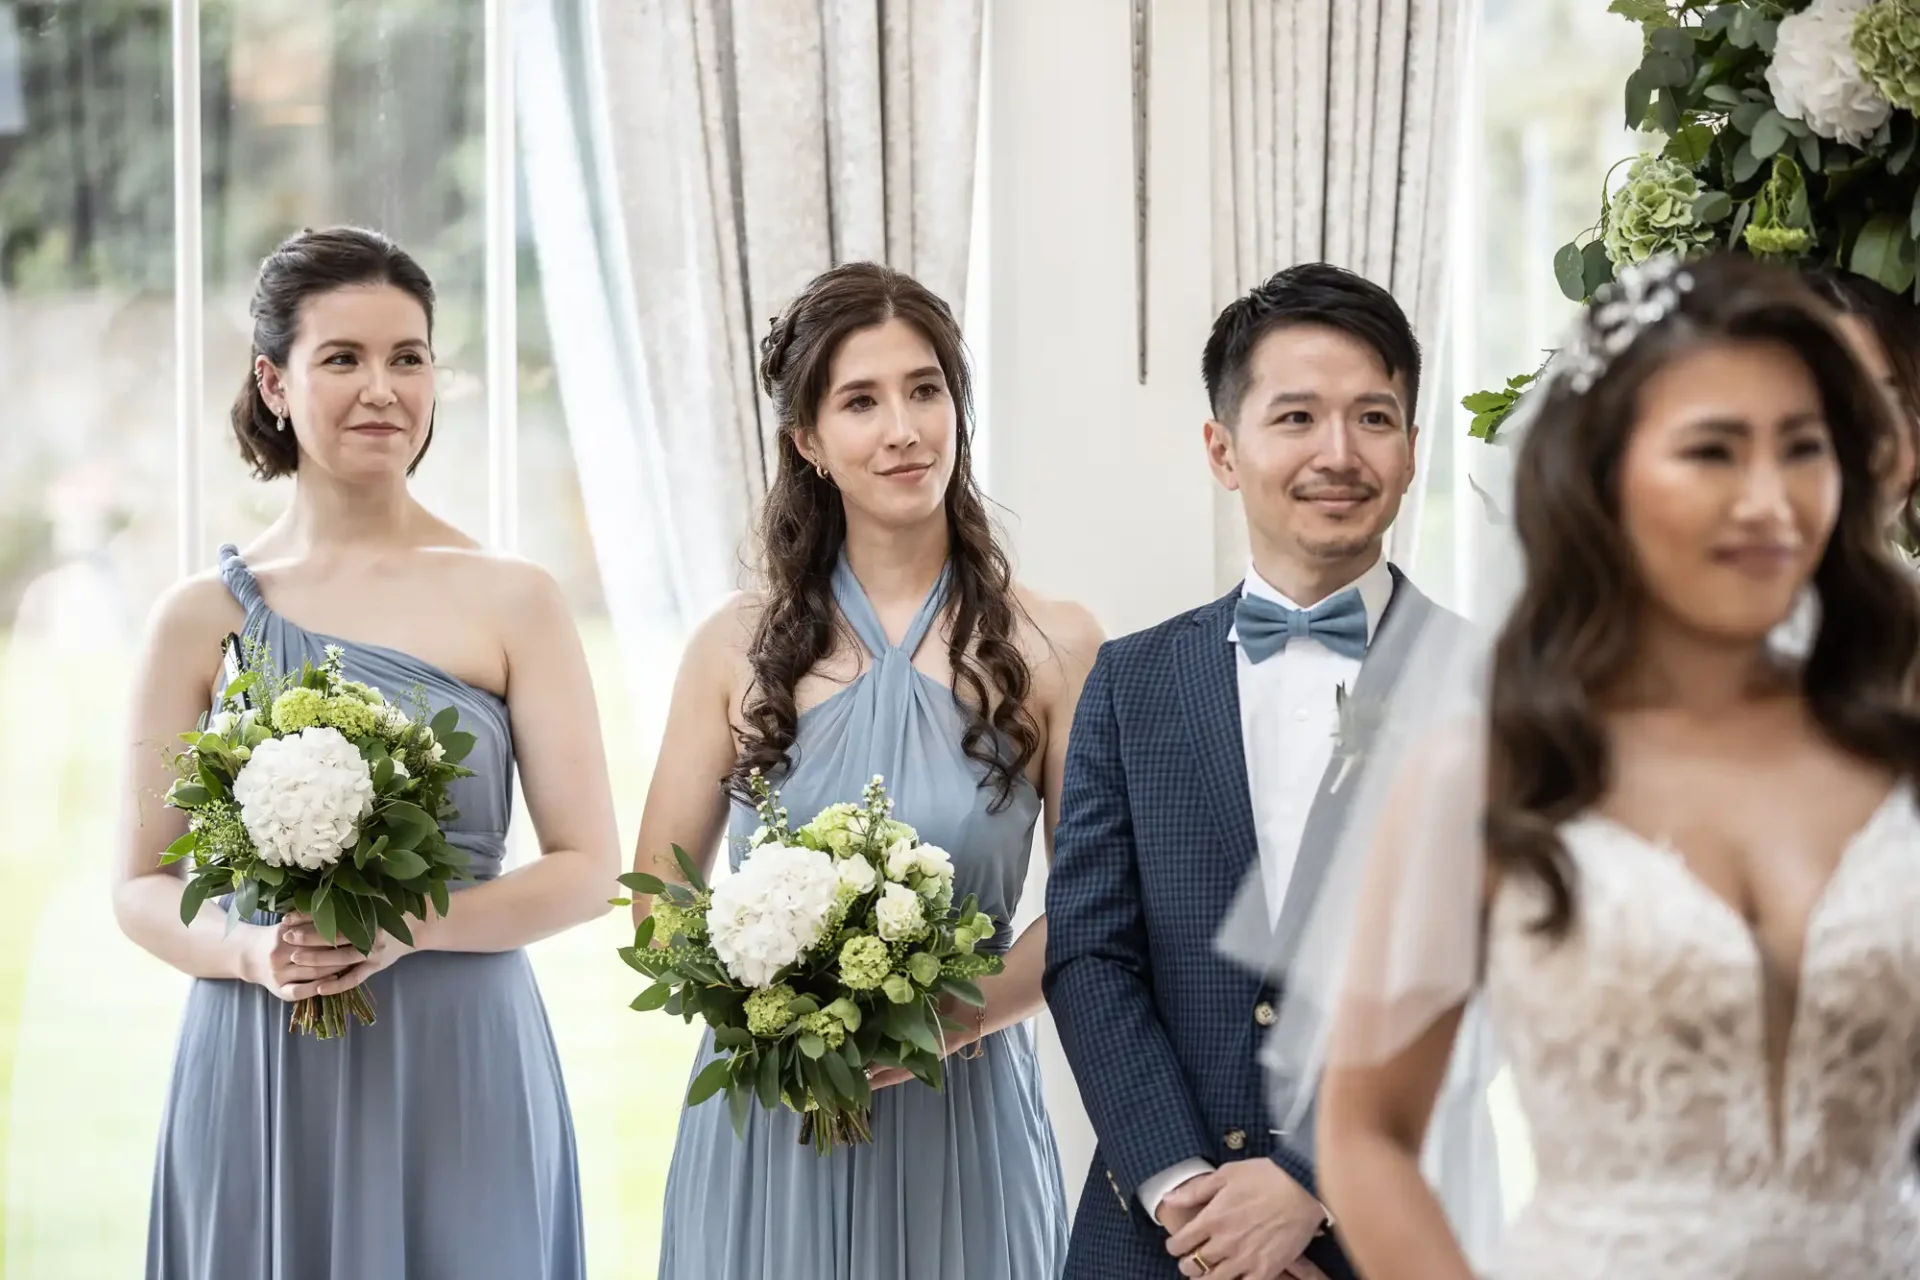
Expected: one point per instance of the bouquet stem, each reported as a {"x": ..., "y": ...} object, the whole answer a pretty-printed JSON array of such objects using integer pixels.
[
  {"x": 842, "y": 1128},
  {"x": 325, "y": 1017}
]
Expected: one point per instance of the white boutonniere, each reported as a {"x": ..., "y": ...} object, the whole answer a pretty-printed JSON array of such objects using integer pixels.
[{"x": 1354, "y": 723}]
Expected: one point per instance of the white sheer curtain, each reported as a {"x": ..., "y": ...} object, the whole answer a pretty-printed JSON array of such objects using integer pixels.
[
  {"x": 1334, "y": 126},
  {"x": 753, "y": 144}
]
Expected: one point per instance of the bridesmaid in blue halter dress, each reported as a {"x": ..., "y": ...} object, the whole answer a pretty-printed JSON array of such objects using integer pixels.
[
  {"x": 437, "y": 1143},
  {"x": 825, "y": 685}
]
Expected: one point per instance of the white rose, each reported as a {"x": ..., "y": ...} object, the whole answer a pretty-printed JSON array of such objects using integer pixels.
[
  {"x": 899, "y": 914},
  {"x": 857, "y": 875},
  {"x": 933, "y": 861},
  {"x": 1814, "y": 77},
  {"x": 765, "y": 915},
  {"x": 900, "y": 858},
  {"x": 222, "y": 723},
  {"x": 302, "y": 798}
]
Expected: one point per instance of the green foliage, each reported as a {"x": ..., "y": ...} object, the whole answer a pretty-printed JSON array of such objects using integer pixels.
[{"x": 1754, "y": 179}]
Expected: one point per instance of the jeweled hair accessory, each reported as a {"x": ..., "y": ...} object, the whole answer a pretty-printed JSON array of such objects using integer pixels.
[{"x": 1641, "y": 297}]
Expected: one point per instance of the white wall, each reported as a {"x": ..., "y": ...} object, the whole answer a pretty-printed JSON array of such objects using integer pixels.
[{"x": 1105, "y": 480}]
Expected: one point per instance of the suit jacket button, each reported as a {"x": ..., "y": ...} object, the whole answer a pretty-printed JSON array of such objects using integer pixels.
[
  {"x": 1236, "y": 1139},
  {"x": 1263, "y": 1014}
]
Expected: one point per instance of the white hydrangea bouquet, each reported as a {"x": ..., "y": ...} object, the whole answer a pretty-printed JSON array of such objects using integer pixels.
[
  {"x": 827, "y": 953},
  {"x": 311, "y": 793}
]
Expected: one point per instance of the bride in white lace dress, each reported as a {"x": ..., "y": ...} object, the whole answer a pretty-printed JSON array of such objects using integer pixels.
[{"x": 1678, "y": 849}]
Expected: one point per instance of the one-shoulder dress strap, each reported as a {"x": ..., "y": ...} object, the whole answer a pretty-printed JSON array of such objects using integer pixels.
[
  {"x": 858, "y": 611},
  {"x": 240, "y": 580}
]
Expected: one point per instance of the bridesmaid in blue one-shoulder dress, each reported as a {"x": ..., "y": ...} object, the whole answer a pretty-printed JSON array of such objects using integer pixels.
[
  {"x": 882, "y": 592},
  {"x": 436, "y": 1142}
]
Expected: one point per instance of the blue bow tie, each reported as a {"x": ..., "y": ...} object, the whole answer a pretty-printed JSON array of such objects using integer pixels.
[{"x": 1264, "y": 626}]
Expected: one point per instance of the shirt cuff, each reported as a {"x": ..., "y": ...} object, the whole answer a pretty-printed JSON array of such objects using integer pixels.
[{"x": 1153, "y": 1190}]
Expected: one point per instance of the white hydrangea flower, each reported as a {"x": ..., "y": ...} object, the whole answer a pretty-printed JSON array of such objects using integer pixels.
[
  {"x": 1815, "y": 78},
  {"x": 765, "y": 915},
  {"x": 302, "y": 798},
  {"x": 899, "y": 915},
  {"x": 857, "y": 875}
]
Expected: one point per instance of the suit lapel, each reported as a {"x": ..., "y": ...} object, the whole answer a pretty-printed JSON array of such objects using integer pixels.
[
  {"x": 1210, "y": 693},
  {"x": 1408, "y": 610}
]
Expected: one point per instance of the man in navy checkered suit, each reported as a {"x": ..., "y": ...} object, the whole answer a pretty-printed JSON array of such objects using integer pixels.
[{"x": 1206, "y": 747}]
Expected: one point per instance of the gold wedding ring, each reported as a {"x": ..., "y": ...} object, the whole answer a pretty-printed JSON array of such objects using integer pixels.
[{"x": 1206, "y": 1268}]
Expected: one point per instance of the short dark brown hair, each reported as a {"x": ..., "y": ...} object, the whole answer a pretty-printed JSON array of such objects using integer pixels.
[
  {"x": 305, "y": 265},
  {"x": 1310, "y": 293}
]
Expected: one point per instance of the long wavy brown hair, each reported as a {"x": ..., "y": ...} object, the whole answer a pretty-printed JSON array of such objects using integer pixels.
[
  {"x": 1572, "y": 633},
  {"x": 803, "y": 527},
  {"x": 1895, "y": 322}
]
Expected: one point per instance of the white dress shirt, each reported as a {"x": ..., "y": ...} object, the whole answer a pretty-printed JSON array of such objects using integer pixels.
[{"x": 1288, "y": 720}]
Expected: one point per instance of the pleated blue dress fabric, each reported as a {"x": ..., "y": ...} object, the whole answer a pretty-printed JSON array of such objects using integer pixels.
[
  {"x": 958, "y": 1184},
  {"x": 436, "y": 1144}
]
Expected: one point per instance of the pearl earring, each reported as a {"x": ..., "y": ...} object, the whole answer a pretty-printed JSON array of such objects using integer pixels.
[{"x": 279, "y": 422}]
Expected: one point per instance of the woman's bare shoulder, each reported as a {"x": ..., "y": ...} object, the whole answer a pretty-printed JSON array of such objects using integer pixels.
[{"x": 1056, "y": 631}]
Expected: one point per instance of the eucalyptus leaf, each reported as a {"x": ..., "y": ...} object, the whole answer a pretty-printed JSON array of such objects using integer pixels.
[
  {"x": 1596, "y": 268},
  {"x": 404, "y": 864},
  {"x": 712, "y": 1078},
  {"x": 641, "y": 882},
  {"x": 767, "y": 1079},
  {"x": 1745, "y": 162},
  {"x": 445, "y": 722},
  {"x": 1664, "y": 70},
  {"x": 246, "y": 899},
  {"x": 732, "y": 1037},
  {"x": 1675, "y": 42},
  {"x": 1712, "y": 206},
  {"x": 1883, "y": 251},
  {"x": 1769, "y": 135},
  {"x": 653, "y": 997},
  {"x": 192, "y": 898},
  {"x": 1639, "y": 99},
  {"x": 1724, "y": 94},
  {"x": 190, "y": 795},
  {"x": 458, "y": 745},
  {"x": 838, "y": 1075},
  {"x": 1690, "y": 146},
  {"x": 355, "y": 920},
  {"x": 740, "y": 1105},
  {"x": 1570, "y": 272},
  {"x": 324, "y": 917},
  {"x": 813, "y": 1046},
  {"x": 690, "y": 869},
  {"x": 1748, "y": 115},
  {"x": 392, "y": 921},
  {"x": 1810, "y": 153}
]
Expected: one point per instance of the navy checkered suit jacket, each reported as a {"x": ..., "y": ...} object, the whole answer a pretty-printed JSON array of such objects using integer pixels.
[{"x": 1155, "y": 838}]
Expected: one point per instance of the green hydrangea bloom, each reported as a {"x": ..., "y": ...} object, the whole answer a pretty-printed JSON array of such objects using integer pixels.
[
  {"x": 364, "y": 692},
  {"x": 1769, "y": 242},
  {"x": 298, "y": 709},
  {"x": 674, "y": 921},
  {"x": 350, "y": 716},
  {"x": 864, "y": 962},
  {"x": 1652, "y": 213},
  {"x": 1886, "y": 44},
  {"x": 767, "y": 1010},
  {"x": 832, "y": 830},
  {"x": 924, "y": 968},
  {"x": 826, "y": 1026}
]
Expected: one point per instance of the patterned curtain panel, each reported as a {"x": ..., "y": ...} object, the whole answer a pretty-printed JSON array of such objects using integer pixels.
[
  {"x": 755, "y": 143},
  {"x": 1333, "y": 133}
]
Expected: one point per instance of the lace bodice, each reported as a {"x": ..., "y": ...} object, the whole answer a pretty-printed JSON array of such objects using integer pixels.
[{"x": 1638, "y": 1051}]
